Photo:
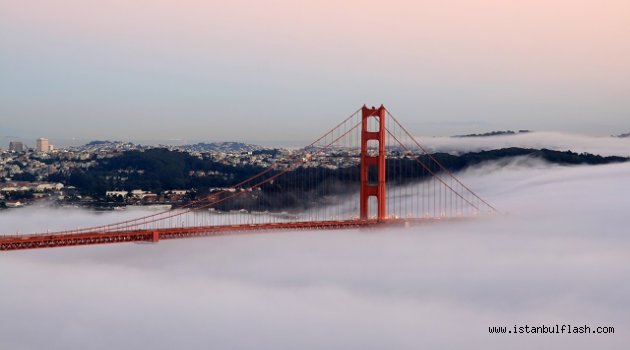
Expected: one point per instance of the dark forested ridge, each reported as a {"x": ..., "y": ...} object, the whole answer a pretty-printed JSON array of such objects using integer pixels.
[
  {"x": 154, "y": 170},
  {"x": 495, "y": 133},
  {"x": 159, "y": 169}
]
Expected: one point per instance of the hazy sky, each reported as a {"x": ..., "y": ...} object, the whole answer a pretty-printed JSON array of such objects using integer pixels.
[{"x": 280, "y": 70}]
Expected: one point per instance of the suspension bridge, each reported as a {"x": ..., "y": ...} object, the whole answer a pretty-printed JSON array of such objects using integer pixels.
[{"x": 366, "y": 171}]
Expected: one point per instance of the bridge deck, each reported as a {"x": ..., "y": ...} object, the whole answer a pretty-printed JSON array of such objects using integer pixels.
[
  {"x": 18, "y": 242},
  {"x": 21, "y": 242}
]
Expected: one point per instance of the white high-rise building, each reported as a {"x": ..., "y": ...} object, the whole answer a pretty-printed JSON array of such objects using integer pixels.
[{"x": 42, "y": 145}]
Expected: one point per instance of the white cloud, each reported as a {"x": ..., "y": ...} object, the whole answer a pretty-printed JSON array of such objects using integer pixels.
[
  {"x": 557, "y": 254},
  {"x": 605, "y": 146}
]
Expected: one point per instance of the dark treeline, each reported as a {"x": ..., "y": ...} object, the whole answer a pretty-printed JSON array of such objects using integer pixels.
[
  {"x": 158, "y": 170},
  {"x": 154, "y": 170}
]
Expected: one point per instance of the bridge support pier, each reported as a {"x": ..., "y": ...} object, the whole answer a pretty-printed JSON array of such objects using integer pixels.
[{"x": 373, "y": 165}]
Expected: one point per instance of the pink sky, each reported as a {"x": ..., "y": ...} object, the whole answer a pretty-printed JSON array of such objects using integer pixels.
[{"x": 525, "y": 61}]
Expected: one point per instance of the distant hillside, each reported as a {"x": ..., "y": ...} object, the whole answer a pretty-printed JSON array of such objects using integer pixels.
[
  {"x": 99, "y": 142},
  {"x": 222, "y": 147},
  {"x": 495, "y": 133},
  {"x": 107, "y": 145},
  {"x": 459, "y": 162},
  {"x": 161, "y": 169}
]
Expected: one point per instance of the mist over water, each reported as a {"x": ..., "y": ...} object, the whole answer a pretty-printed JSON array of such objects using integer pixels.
[
  {"x": 557, "y": 254},
  {"x": 559, "y": 141}
]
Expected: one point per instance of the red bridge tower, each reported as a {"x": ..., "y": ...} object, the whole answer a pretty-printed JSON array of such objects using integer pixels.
[{"x": 373, "y": 163}]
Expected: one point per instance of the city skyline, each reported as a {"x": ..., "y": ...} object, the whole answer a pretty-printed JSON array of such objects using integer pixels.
[{"x": 203, "y": 70}]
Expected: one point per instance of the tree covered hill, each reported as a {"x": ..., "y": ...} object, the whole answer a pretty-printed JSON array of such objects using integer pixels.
[
  {"x": 495, "y": 133},
  {"x": 160, "y": 169}
]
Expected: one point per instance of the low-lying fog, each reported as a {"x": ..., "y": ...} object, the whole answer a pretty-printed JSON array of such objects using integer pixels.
[
  {"x": 558, "y": 254},
  {"x": 560, "y": 141}
]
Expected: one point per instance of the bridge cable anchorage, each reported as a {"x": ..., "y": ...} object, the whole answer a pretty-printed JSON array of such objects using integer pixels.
[{"x": 362, "y": 172}]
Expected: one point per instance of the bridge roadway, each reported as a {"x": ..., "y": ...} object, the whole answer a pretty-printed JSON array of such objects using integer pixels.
[
  {"x": 20, "y": 242},
  {"x": 34, "y": 241}
]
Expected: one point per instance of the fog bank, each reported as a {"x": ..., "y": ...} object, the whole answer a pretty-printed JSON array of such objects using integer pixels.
[
  {"x": 559, "y": 141},
  {"x": 557, "y": 254}
]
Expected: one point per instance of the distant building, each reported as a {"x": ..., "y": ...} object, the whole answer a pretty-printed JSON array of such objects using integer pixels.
[
  {"x": 178, "y": 192},
  {"x": 122, "y": 194},
  {"x": 138, "y": 193},
  {"x": 16, "y": 146},
  {"x": 48, "y": 187},
  {"x": 42, "y": 145},
  {"x": 175, "y": 195}
]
